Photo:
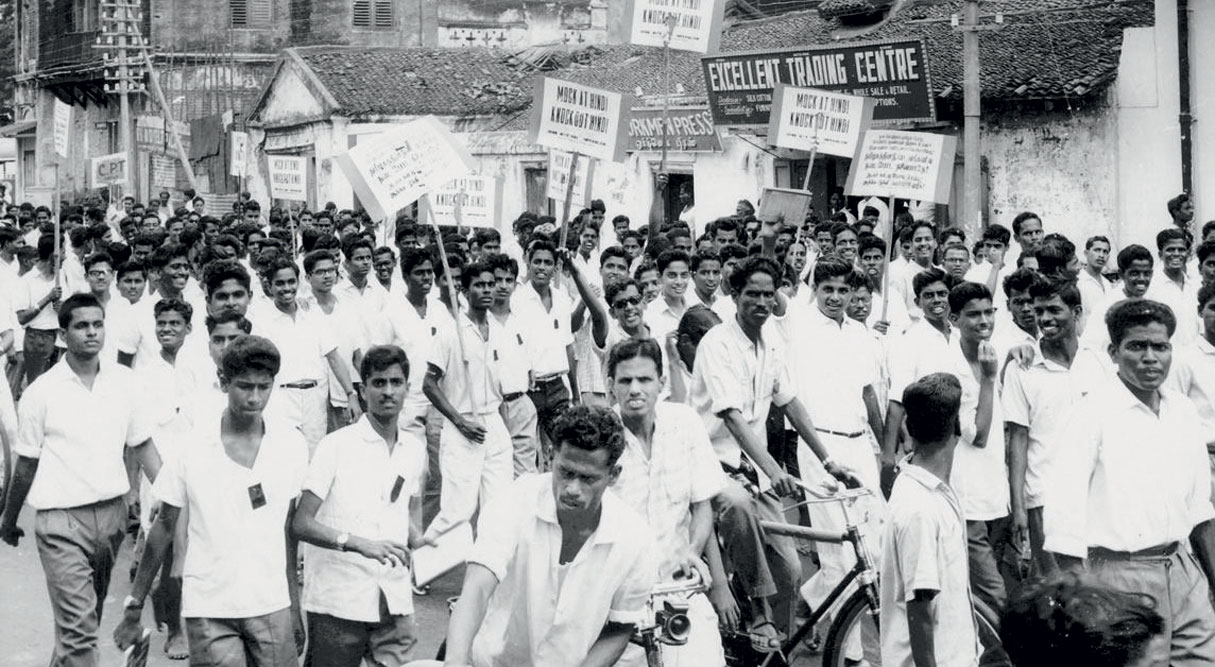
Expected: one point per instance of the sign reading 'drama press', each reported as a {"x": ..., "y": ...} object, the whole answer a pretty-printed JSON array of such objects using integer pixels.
[
  {"x": 894, "y": 73},
  {"x": 690, "y": 130}
]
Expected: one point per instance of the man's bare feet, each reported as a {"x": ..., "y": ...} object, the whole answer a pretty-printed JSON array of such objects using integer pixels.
[{"x": 175, "y": 646}]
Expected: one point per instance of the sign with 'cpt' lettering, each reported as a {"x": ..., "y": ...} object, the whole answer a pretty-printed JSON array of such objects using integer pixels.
[{"x": 108, "y": 170}]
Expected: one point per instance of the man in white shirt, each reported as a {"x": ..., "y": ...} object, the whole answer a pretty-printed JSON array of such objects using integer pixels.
[
  {"x": 475, "y": 452},
  {"x": 1028, "y": 231},
  {"x": 138, "y": 342},
  {"x": 361, "y": 509},
  {"x": 923, "y": 246},
  {"x": 76, "y": 422},
  {"x": 348, "y": 324},
  {"x": 923, "y": 349},
  {"x": 560, "y": 573},
  {"x": 1094, "y": 288},
  {"x": 309, "y": 350},
  {"x": 886, "y": 316},
  {"x": 979, "y": 473},
  {"x": 514, "y": 367},
  {"x": 119, "y": 314},
  {"x": 926, "y": 613},
  {"x": 1038, "y": 400},
  {"x": 669, "y": 475},
  {"x": 1017, "y": 326},
  {"x": 1173, "y": 286},
  {"x": 663, "y": 315},
  {"x": 1193, "y": 372},
  {"x": 1130, "y": 488},
  {"x": 366, "y": 296},
  {"x": 551, "y": 340},
  {"x": 1135, "y": 265},
  {"x": 740, "y": 371},
  {"x": 239, "y": 481},
  {"x": 35, "y": 305}
]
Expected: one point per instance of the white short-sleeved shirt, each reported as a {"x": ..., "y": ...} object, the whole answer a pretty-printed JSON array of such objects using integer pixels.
[
  {"x": 844, "y": 355},
  {"x": 680, "y": 470},
  {"x": 731, "y": 372},
  {"x": 170, "y": 394},
  {"x": 896, "y": 314},
  {"x": 1093, "y": 291},
  {"x": 515, "y": 363},
  {"x": 549, "y": 615},
  {"x": 1124, "y": 478},
  {"x": 35, "y": 287},
  {"x": 904, "y": 287},
  {"x": 369, "y": 301},
  {"x": 236, "y": 566},
  {"x": 349, "y": 327},
  {"x": 302, "y": 340},
  {"x": 78, "y": 435},
  {"x": 365, "y": 491},
  {"x": 480, "y": 357},
  {"x": 662, "y": 319},
  {"x": 1042, "y": 398},
  {"x": 925, "y": 549},
  {"x": 1183, "y": 299},
  {"x": 1193, "y": 375},
  {"x": 137, "y": 333},
  {"x": 921, "y": 351},
  {"x": 549, "y": 329},
  {"x": 980, "y": 475},
  {"x": 401, "y": 325}
]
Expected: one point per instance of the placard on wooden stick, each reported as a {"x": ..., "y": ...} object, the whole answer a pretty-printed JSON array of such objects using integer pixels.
[
  {"x": 697, "y": 23},
  {"x": 906, "y": 165},
  {"x": 397, "y": 167},
  {"x": 480, "y": 199},
  {"x": 558, "y": 178},
  {"x": 783, "y": 205},
  {"x": 580, "y": 119},
  {"x": 809, "y": 118}
]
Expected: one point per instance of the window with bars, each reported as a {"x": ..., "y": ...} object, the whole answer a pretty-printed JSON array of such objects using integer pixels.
[
  {"x": 250, "y": 13},
  {"x": 373, "y": 14}
]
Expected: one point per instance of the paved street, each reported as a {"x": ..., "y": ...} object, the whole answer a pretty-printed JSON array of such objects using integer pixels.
[{"x": 28, "y": 632}]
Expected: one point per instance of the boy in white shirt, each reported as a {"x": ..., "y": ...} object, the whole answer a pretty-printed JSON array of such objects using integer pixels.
[{"x": 239, "y": 480}]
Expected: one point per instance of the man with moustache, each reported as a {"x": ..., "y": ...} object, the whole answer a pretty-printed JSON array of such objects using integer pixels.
[{"x": 1129, "y": 489}]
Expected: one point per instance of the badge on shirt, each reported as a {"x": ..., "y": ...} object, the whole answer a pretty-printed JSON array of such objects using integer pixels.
[
  {"x": 434, "y": 330},
  {"x": 396, "y": 489},
  {"x": 257, "y": 497},
  {"x": 556, "y": 323},
  {"x": 495, "y": 355},
  {"x": 519, "y": 337}
]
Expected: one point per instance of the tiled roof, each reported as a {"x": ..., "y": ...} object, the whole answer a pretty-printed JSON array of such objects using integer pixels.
[
  {"x": 374, "y": 82},
  {"x": 1047, "y": 49}
]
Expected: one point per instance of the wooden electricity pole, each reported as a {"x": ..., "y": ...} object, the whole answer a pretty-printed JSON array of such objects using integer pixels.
[
  {"x": 121, "y": 42},
  {"x": 970, "y": 218}
]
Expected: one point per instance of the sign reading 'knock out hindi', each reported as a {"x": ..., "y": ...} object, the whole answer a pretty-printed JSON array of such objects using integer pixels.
[
  {"x": 559, "y": 163},
  {"x": 392, "y": 170},
  {"x": 288, "y": 177},
  {"x": 894, "y": 73},
  {"x": 907, "y": 165},
  {"x": 806, "y": 118},
  {"x": 693, "y": 25},
  {"x": 580, "y": 119}
]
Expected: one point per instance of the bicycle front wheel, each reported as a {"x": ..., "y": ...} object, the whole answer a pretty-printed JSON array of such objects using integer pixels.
[
  {"x": 988, "y": 625},
  {"x": 853, "y": 635}
]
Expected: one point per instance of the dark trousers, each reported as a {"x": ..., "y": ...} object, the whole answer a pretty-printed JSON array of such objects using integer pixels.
[
  {"x": 40, "y": 352},
  {"x": 338, "y": 642},
  {"x": 992, "y": 559},
  {"x": 258, "y": 641},
  {"x": 551, "y": 398},
  {"x": 78, "y": 547}
]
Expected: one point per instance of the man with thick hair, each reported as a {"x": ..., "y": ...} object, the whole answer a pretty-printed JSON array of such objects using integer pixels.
[
  {"x": 1130, "y": 488},
  {"x": 511, "y": 610},
  {"x": 1173, "y": 285},
  {"x": 1093, "y": 286},
  {"x": 927, "y": 617},
  {"x": 740, "y": 372},
  {"x": 77, "y": 421},
  {"x": 1135, "y": 266},
  {"x": 1181, "y": 210},
  {"x": 239, "y": 483},
  {"x": 361, "y": 512}
]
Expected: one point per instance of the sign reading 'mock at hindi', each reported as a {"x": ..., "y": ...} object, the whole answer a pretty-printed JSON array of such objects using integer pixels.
[{"x": 893, "y": 73}]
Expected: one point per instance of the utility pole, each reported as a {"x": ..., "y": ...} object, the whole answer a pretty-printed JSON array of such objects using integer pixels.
[
  {"x": 971, "y": 215},
  {"x": 124, "y": 75}
]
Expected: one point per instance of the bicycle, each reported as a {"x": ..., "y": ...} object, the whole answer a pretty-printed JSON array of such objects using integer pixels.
[{"x": 859, "y": 611}]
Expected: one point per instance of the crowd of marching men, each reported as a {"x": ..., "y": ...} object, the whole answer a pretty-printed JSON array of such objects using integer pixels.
[{"x": 1024, "y": 409}]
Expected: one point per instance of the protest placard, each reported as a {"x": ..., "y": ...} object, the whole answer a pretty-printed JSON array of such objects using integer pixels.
[
  {"x": 559, "y": 178},
  {"x": 63, "y": 127},
  {"x": 696, "y": 23},
  {"x": 907, "y": 165},
  {"x": 580, "y": 119},
  {"x": 164, "y": 172},
  {"x": 783, "y": 205},
  {"x": 479, "y": 199},
  {"x": 107, "y": 170},
  {"x": 239, "y": 153},
  {"x": 391, "y": 170},
  {"x": 288, "y": 177},
  {"x": 809, "y": 118}
]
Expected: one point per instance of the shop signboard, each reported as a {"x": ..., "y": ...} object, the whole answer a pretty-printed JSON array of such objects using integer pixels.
[
  {"x": 690, "y": 130},
  {"x": 894, "y": 73}
]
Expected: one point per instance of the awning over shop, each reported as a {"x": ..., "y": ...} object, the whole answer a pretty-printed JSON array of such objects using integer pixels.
[{"x": 19, "y": 128}]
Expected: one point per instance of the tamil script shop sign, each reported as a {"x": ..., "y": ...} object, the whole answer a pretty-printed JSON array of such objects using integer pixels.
[
  {"x": 690, "y": 129},
  {"x": 893, "y": 73}
]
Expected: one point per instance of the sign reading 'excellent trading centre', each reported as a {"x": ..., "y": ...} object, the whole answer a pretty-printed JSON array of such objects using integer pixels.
[{"x": 893, "y": 73}]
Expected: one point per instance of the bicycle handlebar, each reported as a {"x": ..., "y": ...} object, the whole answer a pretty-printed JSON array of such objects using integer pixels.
[{"x": 838, "y": 494}]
